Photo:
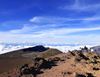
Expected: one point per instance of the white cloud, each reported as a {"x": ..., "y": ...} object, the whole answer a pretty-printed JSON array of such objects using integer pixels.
[
  {"x": 81, "y": 6},
  {"x": 65, "y": 31},
  {"x": 25, "y": 29},
  {"x": 41, "y": 19},
  {"x": 60, "y": 20},
  {"x": 60, "y": 35},
  {"x": 45, "y": 34},
  {"x": 47, "y": 38},
  {"x": 36, "y": 19}
]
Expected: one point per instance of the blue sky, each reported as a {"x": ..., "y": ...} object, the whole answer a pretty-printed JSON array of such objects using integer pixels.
[{"x": 50, "y": 21}]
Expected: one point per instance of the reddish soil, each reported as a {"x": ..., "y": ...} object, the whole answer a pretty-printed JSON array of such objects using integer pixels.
[
  {"x": 66, "y": 68},
  {"x": 7, "y": 64}
]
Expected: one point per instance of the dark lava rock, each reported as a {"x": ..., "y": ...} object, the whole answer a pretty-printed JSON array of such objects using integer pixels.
[{"x": 38, "y": 48}]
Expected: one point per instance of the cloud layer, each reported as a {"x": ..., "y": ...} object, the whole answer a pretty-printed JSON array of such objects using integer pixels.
[
  {"x": 38, "y": 32},
  {"x": 63, "y": 21}
]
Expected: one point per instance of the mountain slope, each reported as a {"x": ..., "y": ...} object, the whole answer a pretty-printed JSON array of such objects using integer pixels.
[
  {"x": 72, "y": 64},
  {"x": 17, "y": 58}
]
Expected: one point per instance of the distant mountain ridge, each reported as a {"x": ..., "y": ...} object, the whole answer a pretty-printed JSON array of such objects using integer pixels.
[
  {"x": 38, "y": 48},
  {"x": 31, "y": 52},
  {"x": 9, "y": 47},
  {"x": 20, "y": 52}
]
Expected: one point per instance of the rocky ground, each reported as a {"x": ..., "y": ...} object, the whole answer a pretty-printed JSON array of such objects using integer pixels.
[{"x": 71, "y": 64}]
